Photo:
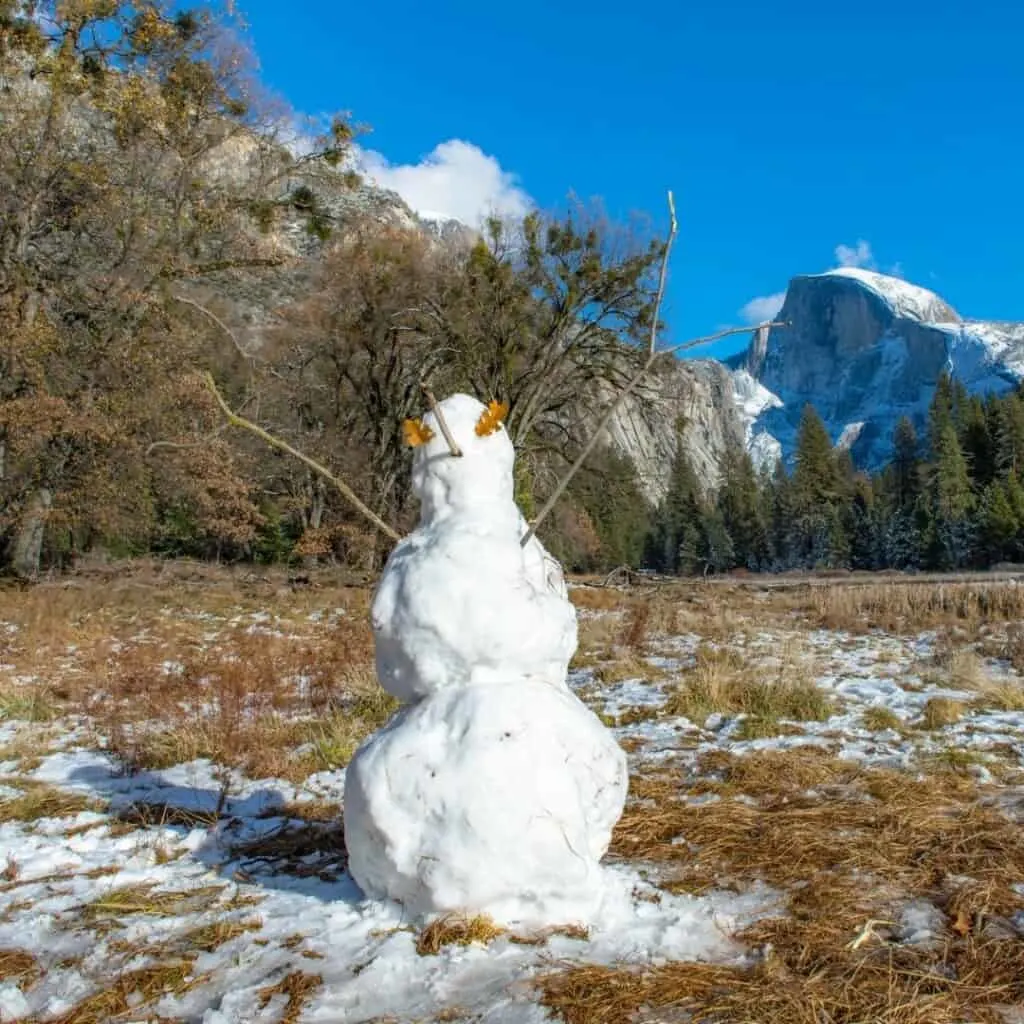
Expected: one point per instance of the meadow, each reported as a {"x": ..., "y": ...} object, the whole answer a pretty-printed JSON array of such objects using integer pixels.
[{"x": 824, "y": 821}]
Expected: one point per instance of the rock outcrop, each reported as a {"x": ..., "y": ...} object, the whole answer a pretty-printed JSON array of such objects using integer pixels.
[{"x": 866, "y": 349}]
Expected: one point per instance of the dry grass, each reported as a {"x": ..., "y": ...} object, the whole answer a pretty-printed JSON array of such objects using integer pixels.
[
  {"x": 879, "y": 719},
  {"x": 938, "y": 712},
  {"x": 125, "y": 996},
  {"x": 143, "y": 899},
  {"x": 191, "y": 647},
  {"x": 297, "y": 988},
  {"x": 1002, "y": 695},
  {"x": 315, "y": 848},
  {"x": 26, "y": 704},
  {"x": 19, "y": 967},
  {"x": 456, "y": 930},
  {"x": 626, "y": 666},
  {"x": 911, "y": 607},
  {"x": 268, "y": 706},
  {"x": 158, "y": 815},
  {"x": 848, "y": 845},
  {"x": 720, "y": 681},
  {"x": 795, "y": 984},
  {"x": 966, "y": 670},
  {"x": 39, "y": 800}
]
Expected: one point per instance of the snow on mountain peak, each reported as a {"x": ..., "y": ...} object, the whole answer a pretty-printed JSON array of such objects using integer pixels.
[{"x": 905, "y": 299}]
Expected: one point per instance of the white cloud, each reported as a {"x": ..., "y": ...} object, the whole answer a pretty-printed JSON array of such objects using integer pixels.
[
  {"x": 457, "y": 179},
  {"x": 859, "y": 255},
  {"x": 764, "y": 307}
]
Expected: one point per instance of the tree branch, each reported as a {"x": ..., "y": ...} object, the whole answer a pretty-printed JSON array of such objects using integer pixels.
[
  {"x": 238, "y": 421},
  {"x": 439, "y": 416},
  {"x": 613, "y": 408},
  {"x": 673, "y": 228},
  {"x": 210, "y": 315}
]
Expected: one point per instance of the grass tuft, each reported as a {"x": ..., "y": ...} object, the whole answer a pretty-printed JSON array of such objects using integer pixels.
[
  {"x": 721, "y": 682},
  {"x": 881, "y": 719},
  {"x": 26, "y": 704},
  {"x": 456, "y": 929},
  {"x": 131, "y": 991},
  {"x": 1000, "y": 695},
  {"x": 40, "y": 800},
  {"x": 938, "y": 712},
  {"x": 142, "y": 899},
  {"x": 19, "y": 967},
  {"x": 297, "y": 988}
]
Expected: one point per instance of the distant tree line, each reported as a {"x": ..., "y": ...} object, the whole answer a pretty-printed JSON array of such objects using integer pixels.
[{"x": 952, "y": 499}]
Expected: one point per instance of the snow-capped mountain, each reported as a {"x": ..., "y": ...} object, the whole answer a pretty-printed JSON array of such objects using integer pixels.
[{"x": 865, "y": 349}]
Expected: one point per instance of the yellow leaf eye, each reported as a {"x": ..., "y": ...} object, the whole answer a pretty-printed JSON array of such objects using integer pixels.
[
  {"x": 491, "y": 418},
  {"x": 416, "y": 432}
]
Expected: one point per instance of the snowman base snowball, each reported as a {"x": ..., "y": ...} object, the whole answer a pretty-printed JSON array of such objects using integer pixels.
[{"x": 493, "y": 799}]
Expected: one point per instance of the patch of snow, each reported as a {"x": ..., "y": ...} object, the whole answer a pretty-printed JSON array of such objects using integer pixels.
[
  {"x": 905, "y": 299},
  {"x": 849, "y": 435},
  {"x": 765, "y": 450},
  {"x": 364, "y": 951},
  {"x": 920, "y": 923}
]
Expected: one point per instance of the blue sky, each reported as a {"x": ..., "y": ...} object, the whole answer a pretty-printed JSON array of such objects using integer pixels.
[{"x": 786, "y": 130}]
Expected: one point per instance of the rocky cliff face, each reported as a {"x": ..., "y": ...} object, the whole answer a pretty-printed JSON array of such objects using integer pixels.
[
  {"x": 866, "y": 349},
  {"x": 690, "y": 404}
]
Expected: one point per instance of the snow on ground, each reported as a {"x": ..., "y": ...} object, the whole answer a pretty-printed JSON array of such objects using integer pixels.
[
  {"x": 243, "y": 880},
  {"x": 313, "y": 920}
]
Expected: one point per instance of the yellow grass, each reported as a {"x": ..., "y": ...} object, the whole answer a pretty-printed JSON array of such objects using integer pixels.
[
  {"x": 721, "y": 681},
  {"x": 20, "y": 967},
  {"x": 39, "y": 800},
  {"x": 296, "y": 987},
  {"x": 879, "y": 719},
  {"x": 848, "y": 846},
  {"x": 144, "y": 899},
  {"x": 132, "y": 990},
  {"x": 938, "y": 712},
  {"x": 456, "y": 929}
]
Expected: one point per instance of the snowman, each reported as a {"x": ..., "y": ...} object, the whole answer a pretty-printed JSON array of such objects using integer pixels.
[{"x": 494, "y": 789}]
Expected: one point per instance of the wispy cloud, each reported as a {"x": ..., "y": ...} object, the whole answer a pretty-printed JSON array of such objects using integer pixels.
[
  {"x": 457, "y": 179},
  {"x": 859, "y": 255},
  {"x": 764, "y": 307}
]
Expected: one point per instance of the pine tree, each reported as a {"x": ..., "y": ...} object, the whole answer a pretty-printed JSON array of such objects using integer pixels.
[
  {"x": 815, "y": 479},
  {"x": 865, "y": 529},
  {"x": 780, "y": 504},
  {"x": 821, "y": 493},
  {"x": 741, "y": 508},
  {"x": 940, "y": 411},
  {"x": 1008, "y": 433},
  {"x": 716, "y": 546},
  {"x": 998, "y": 525},
  {"x": 675, "y": 538},
  {"x": 951, "y": 481},
  {"x": 952, "y": 501},
  {"x": 906, "y": 464},
  {"x": 978, "y": 444}
]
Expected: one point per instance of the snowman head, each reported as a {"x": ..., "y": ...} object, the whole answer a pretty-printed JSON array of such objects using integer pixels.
[{"x": 478, "y": 479}]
